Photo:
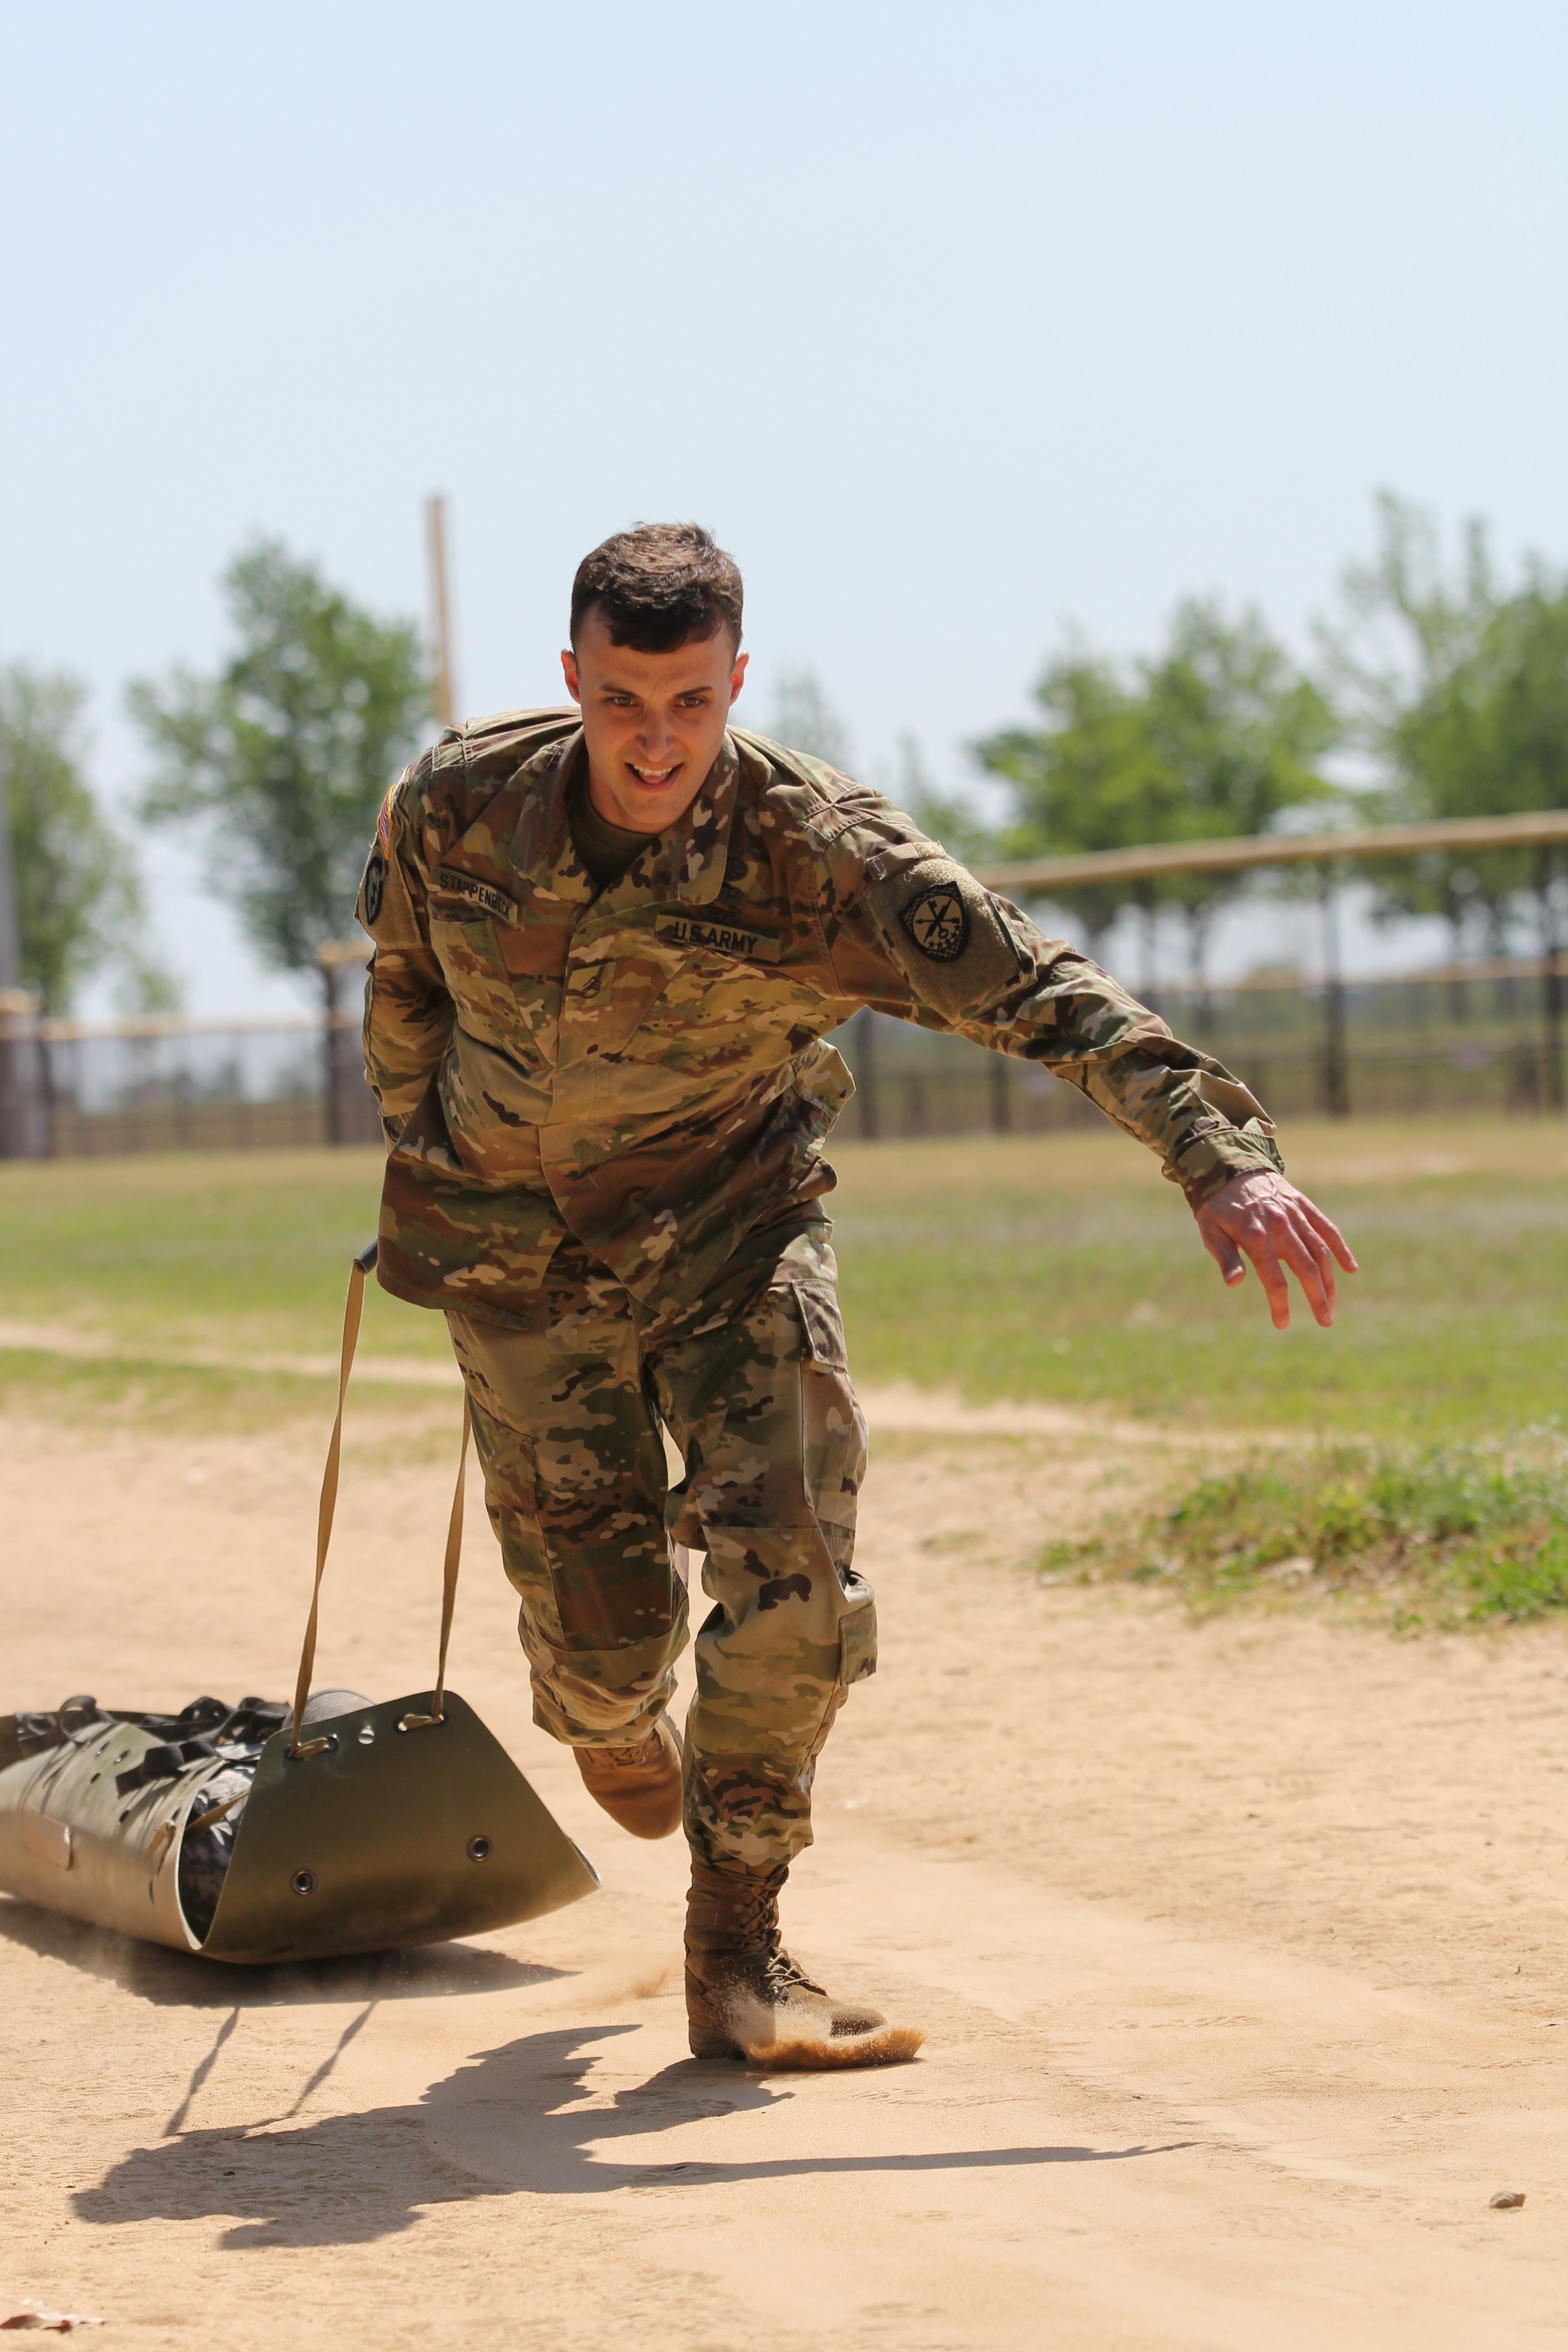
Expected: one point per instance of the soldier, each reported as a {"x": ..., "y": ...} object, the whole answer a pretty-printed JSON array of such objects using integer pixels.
[{"x": 609, "y": 941}]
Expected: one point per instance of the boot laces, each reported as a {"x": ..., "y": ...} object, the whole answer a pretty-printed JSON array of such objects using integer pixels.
[{"x": 757, "y": 1922}]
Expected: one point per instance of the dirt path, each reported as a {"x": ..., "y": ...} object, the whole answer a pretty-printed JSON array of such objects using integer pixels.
[{"x": 1241, "y": 1950}]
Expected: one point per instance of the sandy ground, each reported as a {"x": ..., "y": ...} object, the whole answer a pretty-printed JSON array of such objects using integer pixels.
[{"x": 1240, "y": 1948}]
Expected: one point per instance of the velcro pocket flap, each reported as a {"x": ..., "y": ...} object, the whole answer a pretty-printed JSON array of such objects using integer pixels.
[
  {"x": 858, "y": 1636},
  {"x": 822, "y": 1325}
]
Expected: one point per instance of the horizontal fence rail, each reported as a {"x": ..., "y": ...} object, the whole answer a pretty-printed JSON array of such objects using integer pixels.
[
  {"x": 1041, "y": 875},
  {"x": 1458, "y": 1039},
  {"x": 1443, "y": 1041}
]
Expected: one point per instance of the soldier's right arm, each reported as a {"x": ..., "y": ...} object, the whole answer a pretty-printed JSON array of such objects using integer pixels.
[{"x": 408, "y": 1015}]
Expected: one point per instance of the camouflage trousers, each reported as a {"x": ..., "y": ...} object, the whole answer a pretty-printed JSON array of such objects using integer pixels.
[{"x": 754, "y": 1391}]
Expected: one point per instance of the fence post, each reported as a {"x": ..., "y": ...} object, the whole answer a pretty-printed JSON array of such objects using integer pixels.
[
  {"x": 23, "y": 1089},
  {"x": 340, "y": 1042},
  {"x": 1001, "y": 1095},
  {"x": 1551, "y": 983},
  {"x": 866, "y": 1071},
  {"x": 1336, "y": 1090}
]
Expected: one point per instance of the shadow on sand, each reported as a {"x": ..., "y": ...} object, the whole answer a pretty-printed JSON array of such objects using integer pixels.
[
  {"x": 509, "y": 2122},
  {"x": 174, "y": 1980}
]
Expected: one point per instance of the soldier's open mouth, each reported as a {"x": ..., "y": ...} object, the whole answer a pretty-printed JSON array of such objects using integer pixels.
[{"x": 654, "y": 777}]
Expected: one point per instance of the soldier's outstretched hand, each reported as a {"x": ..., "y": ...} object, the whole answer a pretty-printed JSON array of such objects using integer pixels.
[{"x": 1265, "y": 1218}]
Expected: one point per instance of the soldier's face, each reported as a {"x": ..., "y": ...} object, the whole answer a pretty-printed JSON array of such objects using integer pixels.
[{"x": 653, "y": 722}]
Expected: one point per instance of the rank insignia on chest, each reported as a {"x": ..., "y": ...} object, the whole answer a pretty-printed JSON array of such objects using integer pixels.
[
  {"x": 483, "y": 895},
  {"x": 721, "y": 938},
  {"x": 938, "y": 922}
]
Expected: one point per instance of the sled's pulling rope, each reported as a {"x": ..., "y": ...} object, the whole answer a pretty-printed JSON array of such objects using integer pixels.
[{"x": 353, "y": 1308}]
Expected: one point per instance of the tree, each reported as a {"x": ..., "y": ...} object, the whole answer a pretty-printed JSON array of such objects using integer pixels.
[
  {"x": 1216, "y": 736},
  {"x": 805, "y": 720},
  {"x": 1416, "y": 655},
  {"x": 1240, "y": 732},
  {"x": 1089, "y": 778},
  {"x": 284, "y": 757},
  {"x": 78, "y": 896}
]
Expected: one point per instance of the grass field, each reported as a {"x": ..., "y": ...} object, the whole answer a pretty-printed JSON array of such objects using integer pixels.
[{"x": 1057, "y": 1268}]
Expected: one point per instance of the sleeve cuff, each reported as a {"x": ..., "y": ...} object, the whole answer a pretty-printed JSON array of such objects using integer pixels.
[{"x": 1217, "y": 1151}]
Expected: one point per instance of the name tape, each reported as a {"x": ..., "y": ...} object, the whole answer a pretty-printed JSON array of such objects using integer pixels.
[{"x": 469, "y": 886}]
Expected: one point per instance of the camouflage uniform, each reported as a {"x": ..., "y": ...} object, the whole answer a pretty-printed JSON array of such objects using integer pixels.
[{"x": 606, "y": 1112}]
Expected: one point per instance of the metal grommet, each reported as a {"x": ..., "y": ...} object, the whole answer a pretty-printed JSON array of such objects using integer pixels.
[
  {"x": 479, "y": 1849},
  {"x": 303, "y": 1882}
]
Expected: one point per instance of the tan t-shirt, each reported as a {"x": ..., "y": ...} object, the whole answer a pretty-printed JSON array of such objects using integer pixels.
[{"x": 606, "y": 850}]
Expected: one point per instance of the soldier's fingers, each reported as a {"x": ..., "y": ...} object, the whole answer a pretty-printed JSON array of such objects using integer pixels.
[
  {"x": 1223, "y": 1252},
  {"x": 1303, "y": 1236},
  {"x": 1329, "y": 1232},
  {"x": 1309, "y": 1261},
  {"x": 1258, "y": 1243}
]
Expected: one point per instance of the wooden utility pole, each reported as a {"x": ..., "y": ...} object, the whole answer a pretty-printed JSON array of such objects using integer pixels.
[{"x": 440, "y": 606}]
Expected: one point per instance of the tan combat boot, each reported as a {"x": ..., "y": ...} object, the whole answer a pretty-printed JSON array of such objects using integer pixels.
[
  {"x": 745, "y": 1997},
  {"x": 640, "y": 1786}
]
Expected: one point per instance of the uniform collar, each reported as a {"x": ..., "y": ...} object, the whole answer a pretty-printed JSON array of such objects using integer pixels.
[{"x": 686, "y": 862}]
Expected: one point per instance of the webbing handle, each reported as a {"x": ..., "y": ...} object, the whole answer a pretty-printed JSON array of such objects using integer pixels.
[
  {"x": 449, "y": 1588},
  {"x": 353, "y": 1307}
]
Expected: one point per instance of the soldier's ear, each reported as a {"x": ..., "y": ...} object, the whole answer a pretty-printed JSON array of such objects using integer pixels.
[
  {"x": 738, "y": 676},
  {"x": 569, "y": 671}
]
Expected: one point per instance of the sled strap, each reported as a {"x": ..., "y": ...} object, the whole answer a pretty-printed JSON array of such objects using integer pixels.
[
  {"x": 353, "y": 1307},
  {"x": 449, "y": 1587}
]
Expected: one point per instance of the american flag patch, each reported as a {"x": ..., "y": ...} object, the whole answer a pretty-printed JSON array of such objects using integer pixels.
[{"x": 383, "y": 821}]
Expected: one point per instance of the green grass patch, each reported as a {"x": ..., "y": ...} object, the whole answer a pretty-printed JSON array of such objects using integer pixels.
[
  {"x": 1067, "y": 1270},
  {"x": 1466, "y": 1534},
  {"x": 1058, "y": 1268}
]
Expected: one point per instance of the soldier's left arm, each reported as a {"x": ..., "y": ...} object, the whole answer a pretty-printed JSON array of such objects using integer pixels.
[{"x": 911, "y": 932}]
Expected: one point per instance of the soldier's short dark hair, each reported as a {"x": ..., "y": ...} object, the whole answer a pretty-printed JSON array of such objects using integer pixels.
[{"x": 659, "y": 586}]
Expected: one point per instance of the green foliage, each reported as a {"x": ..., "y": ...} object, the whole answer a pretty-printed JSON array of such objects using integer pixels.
[
  {"x": 78, "y": 896},
  {"x": 1089, "y": 778},
  {"x": 1460, "y": 691},
  {"x": 1241, "y": 730},
  {"x": 1218, "y": 735},
  {"x": 1439, "y": 1534},
  {"x": 284, "y": 756}
]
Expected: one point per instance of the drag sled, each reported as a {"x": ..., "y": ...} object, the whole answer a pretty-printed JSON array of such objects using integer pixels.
[{"x": 263, "y": 1833}]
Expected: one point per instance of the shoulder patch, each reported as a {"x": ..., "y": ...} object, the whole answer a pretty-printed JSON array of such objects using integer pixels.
[
  {"x": 938, "y": 922},
  {"x": 383, "y": 821}
]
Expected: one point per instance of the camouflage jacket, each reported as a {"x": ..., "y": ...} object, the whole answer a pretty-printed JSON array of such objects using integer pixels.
[{"x": 644, "y": 1067}]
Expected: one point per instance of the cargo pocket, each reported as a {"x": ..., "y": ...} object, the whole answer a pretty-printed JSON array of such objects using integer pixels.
[
  {"x": 833, "y": 1428},
  {"x": 857, "y": 1632}
]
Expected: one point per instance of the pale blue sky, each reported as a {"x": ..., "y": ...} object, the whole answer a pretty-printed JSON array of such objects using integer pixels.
[{"x": 952, "y": 322}]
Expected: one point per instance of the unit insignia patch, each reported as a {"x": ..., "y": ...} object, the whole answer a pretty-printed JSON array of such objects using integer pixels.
[{"x": 938, "y": 922}]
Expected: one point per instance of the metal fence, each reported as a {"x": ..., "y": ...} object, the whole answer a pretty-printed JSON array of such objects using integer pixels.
[
  {"x": 173, "y": 1085},
  {"x": 1442, "y": 1043}
]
